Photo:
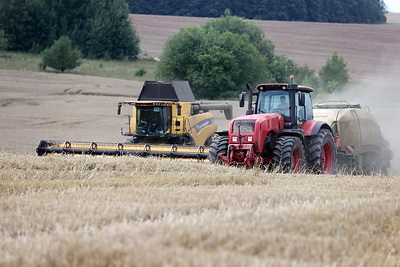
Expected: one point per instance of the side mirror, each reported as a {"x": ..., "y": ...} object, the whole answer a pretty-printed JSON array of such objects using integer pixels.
[
  {"x": 179, "y": 109},
  {"x": 250, "y": 94},
  {"x": 119, "y": 108},
  {"x": 302, "y": 99},
  {"x": 241, "y": 99}
]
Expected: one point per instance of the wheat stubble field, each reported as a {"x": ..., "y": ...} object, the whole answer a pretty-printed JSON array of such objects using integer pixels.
[
  {"x": 107, "y": 211},
  {"x": 126, "y": 211}
]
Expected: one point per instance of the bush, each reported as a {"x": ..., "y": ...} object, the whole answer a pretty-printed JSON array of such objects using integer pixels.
[
  {"x": 61, "y": 56},
  {"x": 140, "y": 72},
  {"x": 333, "y": 74}
]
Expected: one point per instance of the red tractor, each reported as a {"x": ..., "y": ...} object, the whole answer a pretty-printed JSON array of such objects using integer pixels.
[{"x": 277, "y": 132}]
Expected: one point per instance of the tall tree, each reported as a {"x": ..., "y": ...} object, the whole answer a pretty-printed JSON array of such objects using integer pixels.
[
  {"x": 110, "y": 34},
  {"x": 334, "y": 74},
  {"x": 3, "y": 40},
  {"x": 26, "y": 24}
]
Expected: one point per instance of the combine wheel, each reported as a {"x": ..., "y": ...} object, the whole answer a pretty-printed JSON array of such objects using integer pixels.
[
  {"x": 208, "y": 142},
  {"x": 289, "y": 154},
  {"x": 321, "y": 156},
  {"x": 219, "y": 146}
]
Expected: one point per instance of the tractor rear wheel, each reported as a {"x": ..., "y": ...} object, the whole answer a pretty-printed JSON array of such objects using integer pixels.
[
  {"x": 219, "y": 146},
  {"x": 321, "y": 153},
  {"x": 289, "y": 154}
]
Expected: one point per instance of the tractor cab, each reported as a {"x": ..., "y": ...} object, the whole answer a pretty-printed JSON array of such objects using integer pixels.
[{"x": 292, "y": 101}]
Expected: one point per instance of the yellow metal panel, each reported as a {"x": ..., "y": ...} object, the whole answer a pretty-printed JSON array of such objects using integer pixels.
[
  {"x": 201, "y": 127},
  {"x": 133, "y": 124}
]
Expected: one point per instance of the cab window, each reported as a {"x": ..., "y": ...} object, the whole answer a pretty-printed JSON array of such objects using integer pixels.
[
  {"x": 273, "y": 101},
  {"x": 304, "y": 113}
]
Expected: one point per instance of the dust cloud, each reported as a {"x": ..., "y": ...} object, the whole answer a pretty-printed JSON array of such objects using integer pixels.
[{"x": 381, "y": 94}]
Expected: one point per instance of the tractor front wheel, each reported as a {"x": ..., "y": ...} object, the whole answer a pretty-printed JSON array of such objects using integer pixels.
[
  {"x": 289, "y": 154},
  {"x": 219, "y": 146}
]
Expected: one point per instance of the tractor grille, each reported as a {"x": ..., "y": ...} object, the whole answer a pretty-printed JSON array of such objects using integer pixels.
[{"x": 246, "y": 126}]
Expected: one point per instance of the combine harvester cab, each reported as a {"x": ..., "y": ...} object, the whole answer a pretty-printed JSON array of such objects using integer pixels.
[
  {"x": 361, "y": 148},
  {"x": 165, "y": 121},
  {"x": 168, "y": 114}
]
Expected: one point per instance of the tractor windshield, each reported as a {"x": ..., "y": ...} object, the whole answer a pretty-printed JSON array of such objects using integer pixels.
[
  {"x": 153, "y": 120},
  {"x": 273, "y": 101}
]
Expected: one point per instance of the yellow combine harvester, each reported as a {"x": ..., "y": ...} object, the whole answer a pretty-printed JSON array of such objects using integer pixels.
[{"x": 165, "y": 121}]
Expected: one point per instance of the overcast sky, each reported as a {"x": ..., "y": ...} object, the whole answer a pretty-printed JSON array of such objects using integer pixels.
[{"x": 393, "y": 5}]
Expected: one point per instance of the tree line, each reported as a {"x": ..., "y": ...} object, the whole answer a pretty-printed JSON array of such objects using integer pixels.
[
  {"x": 98, "y": 28},
  {"x": 338, "y": 11}
]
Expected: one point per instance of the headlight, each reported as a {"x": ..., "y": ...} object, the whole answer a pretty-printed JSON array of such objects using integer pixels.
[
  {"x": 234, "y": 138},
  {"x": 250, "y": 138}
]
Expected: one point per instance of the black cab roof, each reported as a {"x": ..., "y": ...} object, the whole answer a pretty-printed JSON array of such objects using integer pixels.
[
  {"x": 177, "y": 91},
  {"x": 284, "y": 86}
]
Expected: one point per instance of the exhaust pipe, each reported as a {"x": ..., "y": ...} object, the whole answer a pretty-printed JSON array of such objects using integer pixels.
[
  {"x": 250, "y": 109},
  {"x": 227, "y": 108}
]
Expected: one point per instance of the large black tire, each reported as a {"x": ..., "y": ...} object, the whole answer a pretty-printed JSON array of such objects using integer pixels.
[
  {"x": 321, "y": 153},
  {"x": 219, "y": 146},
  {"x": 289, "y": 155}
]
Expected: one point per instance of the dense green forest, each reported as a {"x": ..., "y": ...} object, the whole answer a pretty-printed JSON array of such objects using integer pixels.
[
  {"x": 341, "y": 11},
  {"x": 99, "y": 28}
]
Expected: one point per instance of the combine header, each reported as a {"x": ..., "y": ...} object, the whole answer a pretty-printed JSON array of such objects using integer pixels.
[
  {"x": 166, "y": 121},
  {"x": 120, "y": 149}
]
